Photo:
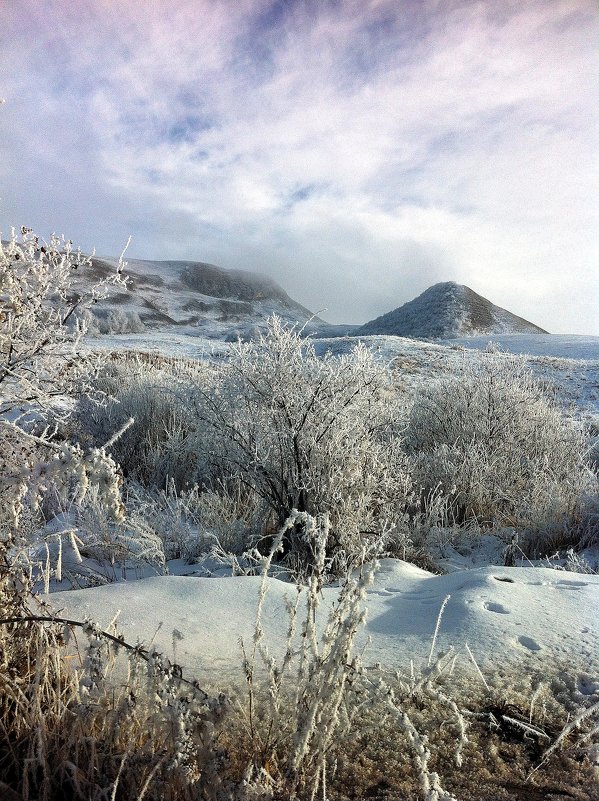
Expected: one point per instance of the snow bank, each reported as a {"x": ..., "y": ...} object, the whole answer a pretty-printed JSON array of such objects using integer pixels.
[{"x": 505, "y": 615}]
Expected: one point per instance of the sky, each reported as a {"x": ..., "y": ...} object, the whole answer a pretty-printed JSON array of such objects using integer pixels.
[{"x": 357, "y": 151}]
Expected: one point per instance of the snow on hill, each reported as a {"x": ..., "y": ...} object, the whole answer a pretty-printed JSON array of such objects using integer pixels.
[
  {"x": 448, "y": 310},
  {"x": 212, "y": 301}
]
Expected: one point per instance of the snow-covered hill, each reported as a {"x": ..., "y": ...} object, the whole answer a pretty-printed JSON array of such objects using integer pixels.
[
  {"x": 448, "y": 310},
  {"x": 210, "y": 300}
]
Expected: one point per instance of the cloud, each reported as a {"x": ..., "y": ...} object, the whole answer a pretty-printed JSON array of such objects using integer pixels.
[{"x": 355, "y": 151}]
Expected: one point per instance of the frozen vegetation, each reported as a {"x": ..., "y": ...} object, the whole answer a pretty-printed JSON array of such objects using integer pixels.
[{"x": 285, "y": 568}]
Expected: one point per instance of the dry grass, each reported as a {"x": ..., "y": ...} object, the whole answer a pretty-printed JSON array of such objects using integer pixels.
[
  {"x": 85, "y": 716},
  {"x": 91, "y": 718},
  {"x": 376, "y": 762},
  {"x": 373, "y": 759}
]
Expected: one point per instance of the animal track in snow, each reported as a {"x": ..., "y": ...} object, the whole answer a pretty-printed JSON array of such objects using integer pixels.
[
  {"x": 566, "y": 584},
  {"x": 529, "y": 643},
  {"x": 491, "y": 606}
]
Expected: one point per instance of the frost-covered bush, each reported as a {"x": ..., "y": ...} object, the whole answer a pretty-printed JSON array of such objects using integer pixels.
[
  {"x": 270, "y": 429},
  {"x": 317, "y": 435},
  {"x": 191, "y": 523},
  {"x": 41, "y": 321},
  {"x": 130, "y": 542},
  {"x": 494, "y": 443},
  {"x": 159, "y": 448},
  {"x": 116, "y": 321},
  {"x": 42, "y": 360},
  {"x": 18, "y": 454}
]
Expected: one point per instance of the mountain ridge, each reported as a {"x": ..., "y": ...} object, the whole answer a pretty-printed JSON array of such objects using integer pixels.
[{"x": 197, "y": 294}]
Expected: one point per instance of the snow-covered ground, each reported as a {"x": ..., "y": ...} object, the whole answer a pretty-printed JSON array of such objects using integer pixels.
[
  {"x": 170, "y": 342},
  {"x": 531, "y": 617},
  {"x": 570, "y": 364},
  {"x": 507, "y": 616},
  {"x": 557, "y": 345}
]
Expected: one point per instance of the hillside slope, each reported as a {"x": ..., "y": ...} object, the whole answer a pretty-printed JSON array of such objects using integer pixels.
[
  {"x": 445, "y": 311},
  {"x": 202, "y": 296}
]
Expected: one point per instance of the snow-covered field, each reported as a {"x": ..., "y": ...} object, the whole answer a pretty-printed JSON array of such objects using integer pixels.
[
  {"x": 171, "y": 342},
  {"x": 507, "y": 616},
  {"x": 560, "y": 346},
  {"x": 570, "y": 363},
  {"x": 527, "y": 617}
]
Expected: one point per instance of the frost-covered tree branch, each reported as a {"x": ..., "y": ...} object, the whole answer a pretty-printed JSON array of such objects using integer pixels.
[
  {"x": 43, "y": 294},
  {"x": 42, "y": 360}
]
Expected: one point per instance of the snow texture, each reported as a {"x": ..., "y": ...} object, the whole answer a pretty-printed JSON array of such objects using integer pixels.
[{"x": 507, "y": 616}]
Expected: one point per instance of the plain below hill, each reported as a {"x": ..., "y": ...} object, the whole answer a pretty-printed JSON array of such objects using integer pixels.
[{"x": 446, "y": 311}]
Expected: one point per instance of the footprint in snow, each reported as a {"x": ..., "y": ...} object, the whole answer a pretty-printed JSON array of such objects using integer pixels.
[
  {"x": 587, "y": 685},
  {"x": 491, "y": 606},
  {"x": 566, "y": 584},
  {"x": 529, "y": 643}
]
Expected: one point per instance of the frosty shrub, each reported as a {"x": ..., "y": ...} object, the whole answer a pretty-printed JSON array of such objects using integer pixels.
[
  {"x": 104, "y": 549},
  {"x": 42, "y": 360},
  {"x": 294, "y": 708},
  {"x": 493, "y": 442},
  {"x": 159, "y": 448},
  {"x": 102, "y": 321},
  {"x": 41, "y": 321},
  {"x": 18, "y": 455},
  {"x": 191, "y": 523},
  {"x": 317, "y": 435},
  {"x": 229, "y": 517}
]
